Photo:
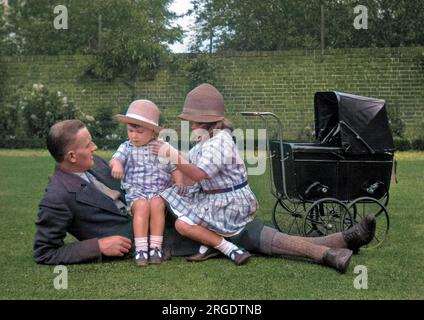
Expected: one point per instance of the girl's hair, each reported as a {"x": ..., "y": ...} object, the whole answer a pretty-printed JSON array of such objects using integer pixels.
[{"x": 219, "y": 125}]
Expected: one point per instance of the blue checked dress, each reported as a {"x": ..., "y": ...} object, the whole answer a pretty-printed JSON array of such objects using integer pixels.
[
  {"x": 224, "y": 213},
  {"x": 146, "y": 175}
]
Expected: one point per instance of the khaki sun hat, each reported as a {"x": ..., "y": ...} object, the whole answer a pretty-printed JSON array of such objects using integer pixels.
[
  {"x": 142, "y": 113},
  {"x": 203, "y": 104}
]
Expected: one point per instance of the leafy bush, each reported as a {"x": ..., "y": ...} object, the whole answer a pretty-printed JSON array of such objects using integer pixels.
[
  {"x": 23, "y": 143},
  {"x": 41, "y": 108},
  {"x": 105, "y": 130},
  {"x": 8, "y": 120},
  {"x": 102, "y": 124},
  {"x": 201, "y": 69},
  {"x": 402, "y": 144},
  {"x": 417, "y": 144}
]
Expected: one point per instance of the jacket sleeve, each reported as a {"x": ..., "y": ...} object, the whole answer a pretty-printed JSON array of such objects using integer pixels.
[{"x": 52, "y": 224}]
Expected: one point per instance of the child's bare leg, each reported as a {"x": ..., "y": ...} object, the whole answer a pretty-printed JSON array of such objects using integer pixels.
[
  {"x": 198, "y": 233},
  {"x": 157, "y": 224},
  {"x": 157, "y": 216},
  {"x": 141, "y": 214},
  {"x": 211, "y": 239}
]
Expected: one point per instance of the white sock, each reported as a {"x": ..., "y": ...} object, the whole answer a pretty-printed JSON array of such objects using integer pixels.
[
  {"x": 156, "y": 242},
  {"x": 141, "y": 244},
  {"x": 203, "y": 249},
  {"x": 226, "y": 247}
]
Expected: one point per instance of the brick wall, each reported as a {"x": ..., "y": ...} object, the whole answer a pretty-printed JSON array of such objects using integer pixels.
[{"x": 283, "y": 82}]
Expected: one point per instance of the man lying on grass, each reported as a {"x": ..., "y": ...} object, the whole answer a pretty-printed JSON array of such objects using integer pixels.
[{"x": 83, "y": 199}]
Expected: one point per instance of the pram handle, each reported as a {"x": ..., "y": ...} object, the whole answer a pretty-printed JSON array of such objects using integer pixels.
[
  {"x": 255, "y": 114},
  {"x": 263, "y": 116}
]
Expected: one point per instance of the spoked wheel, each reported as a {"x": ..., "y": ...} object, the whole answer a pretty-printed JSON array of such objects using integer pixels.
[
  {"x": 364, "y": 206},
  {"x": 384, "y": 200},
  {"x": 287, "y": 216},
  {"x": 326, "y": 216}
]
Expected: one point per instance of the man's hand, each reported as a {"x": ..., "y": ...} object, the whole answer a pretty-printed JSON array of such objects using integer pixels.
[
  {"x": 117, "y": 169},
  {"x": 115, "y": 246}
]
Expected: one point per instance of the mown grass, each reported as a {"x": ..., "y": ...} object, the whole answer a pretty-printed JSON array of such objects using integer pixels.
[{"x": 394, "y": 270}]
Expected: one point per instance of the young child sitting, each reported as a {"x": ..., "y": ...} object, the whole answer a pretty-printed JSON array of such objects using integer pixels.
[{"x": 144, "y": 176}]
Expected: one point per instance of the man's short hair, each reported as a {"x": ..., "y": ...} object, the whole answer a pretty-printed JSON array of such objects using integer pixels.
[{"x": 61, "y": 136}]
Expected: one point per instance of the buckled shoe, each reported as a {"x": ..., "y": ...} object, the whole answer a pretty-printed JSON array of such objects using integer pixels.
[
  {"x": 209, "y": 253},
  {"x": 155, "y": 256},
  {"x": 240, "y": 256},
  {"x": 141, "y": 258}
]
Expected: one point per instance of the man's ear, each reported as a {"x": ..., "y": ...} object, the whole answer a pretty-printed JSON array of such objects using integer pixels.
[{"x": 71, "y": 156}]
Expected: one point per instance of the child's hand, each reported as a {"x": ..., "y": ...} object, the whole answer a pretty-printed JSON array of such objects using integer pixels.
[
  {"x": 117, "y": 170},
  {"x": 118, "y": 173}
]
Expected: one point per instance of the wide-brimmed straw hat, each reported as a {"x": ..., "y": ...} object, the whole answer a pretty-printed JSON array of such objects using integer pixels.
[
  {"x": 203, "y": 104},
  {"x": 142, "y": 113}
]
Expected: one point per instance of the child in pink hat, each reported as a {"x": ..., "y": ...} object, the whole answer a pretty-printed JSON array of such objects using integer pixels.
[{"x": 143, "y": 178}]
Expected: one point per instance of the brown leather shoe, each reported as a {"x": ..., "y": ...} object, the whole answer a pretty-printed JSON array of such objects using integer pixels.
[
  {"x": 360, "y": 234},
  {"x": 210, "y": 253},
  {"x": 337, "y": 258},
  {"x": 240, "y": 256}
]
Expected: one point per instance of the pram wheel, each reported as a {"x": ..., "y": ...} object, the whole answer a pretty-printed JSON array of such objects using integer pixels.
[
  {"x": 364, "y": 206},
  {"x": 326, "y": 216},
  {"x": 286, "y": 216}
]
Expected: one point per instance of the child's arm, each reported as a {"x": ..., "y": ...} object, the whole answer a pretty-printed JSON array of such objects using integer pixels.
[
  {"x": 118, "y": 160},
  {"x": 117, "y": 169}
]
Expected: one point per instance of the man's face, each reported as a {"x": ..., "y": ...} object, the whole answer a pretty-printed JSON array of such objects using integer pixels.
[{"x": 81, "y": 152}]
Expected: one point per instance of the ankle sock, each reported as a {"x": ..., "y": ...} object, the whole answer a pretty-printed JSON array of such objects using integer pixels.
[
  {"x": 156, "y": 242},
  {"x": 226, "y": 247},
  {"x": 141, "y": 244}
]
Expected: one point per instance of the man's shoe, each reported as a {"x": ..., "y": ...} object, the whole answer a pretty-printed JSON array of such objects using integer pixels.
[
  {"x": 360, "y": 234},
  {"x": 337, "y": 258},
  {"x": 141, "y": 258},
  {"x": 209, "y": 253},
  {"x": 240, "y": 256},
  {"x": 155, "y": 256}
]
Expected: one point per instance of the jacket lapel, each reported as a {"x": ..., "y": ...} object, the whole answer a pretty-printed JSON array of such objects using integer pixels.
[
  {"x": 90, "y": 195},
  {"x": 85, "y": 192},
  {"x": 109, "y": 182}
]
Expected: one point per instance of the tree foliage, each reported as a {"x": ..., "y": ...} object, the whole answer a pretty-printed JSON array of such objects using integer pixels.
[
  {"x": 27, "y": 26},
  {"x": 128, "y": 38},
  {"x": 285, "y": 24},
  {"x": 133, "y": 42}
]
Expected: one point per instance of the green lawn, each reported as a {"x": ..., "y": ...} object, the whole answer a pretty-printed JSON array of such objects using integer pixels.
[{"x": 395, "y": 271}]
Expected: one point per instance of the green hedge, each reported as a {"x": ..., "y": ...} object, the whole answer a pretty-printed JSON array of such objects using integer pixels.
[
  {"x": 402, "y": 144},
  {"x": 106, "y": 144}
]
